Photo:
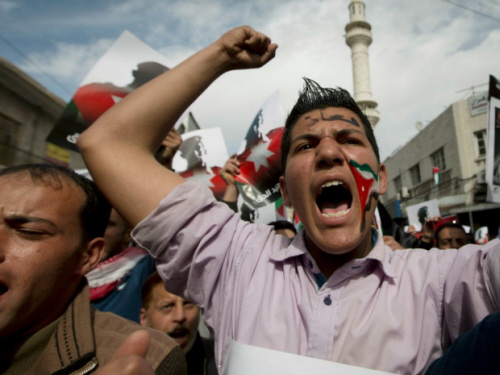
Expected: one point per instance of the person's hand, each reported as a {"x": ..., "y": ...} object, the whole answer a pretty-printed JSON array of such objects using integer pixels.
[
  {"x": 129, "y": 358},
  {"x": 392, "y": 243},
  {"x": 171, "y": 144},
  {"x": 428, "y": 233},
  {"x": 246, "y": 48},
  {"x": 230, "y": 169},
  {"x": 411, "y": 229}
]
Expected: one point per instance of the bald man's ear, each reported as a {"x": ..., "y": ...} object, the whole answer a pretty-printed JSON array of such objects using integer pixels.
[{"x": 91, "y": 255}]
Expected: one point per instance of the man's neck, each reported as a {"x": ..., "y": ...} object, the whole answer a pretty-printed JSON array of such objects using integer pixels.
[{"x": 329, "y": 263}]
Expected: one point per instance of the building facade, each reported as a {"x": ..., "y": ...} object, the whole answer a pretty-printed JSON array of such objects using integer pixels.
[
  {"x": 28, "y": 112},
  {"x": 455, "y": 144}
]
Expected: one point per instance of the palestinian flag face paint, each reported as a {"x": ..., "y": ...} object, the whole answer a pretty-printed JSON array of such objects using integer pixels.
[{"x": 367, "y": 182}]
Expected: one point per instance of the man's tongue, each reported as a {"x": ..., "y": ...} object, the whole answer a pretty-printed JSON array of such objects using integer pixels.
[{"x": 334, "y": 209}]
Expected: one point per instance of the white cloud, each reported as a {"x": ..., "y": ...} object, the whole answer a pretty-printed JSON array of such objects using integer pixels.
[
  {"x": 7, "y": 6},
  {"x": 422, "y": 53}
]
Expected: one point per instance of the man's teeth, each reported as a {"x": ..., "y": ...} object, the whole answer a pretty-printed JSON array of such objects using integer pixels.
[
  {"x": 332, "y": 183},
  {"x": 337, "y": 214}
]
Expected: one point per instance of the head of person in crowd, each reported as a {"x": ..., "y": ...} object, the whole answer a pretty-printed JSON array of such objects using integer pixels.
[
  {"x": 332, "y": 175},
  {"x": 284, "y": 227},
  {"x": 117, "y": 235},
  {"x": 451, "y": 236},
  {"x": 169, "y": 313},
  {"x": 52, "y": 221},
  {"x": 423, "y": 215}
]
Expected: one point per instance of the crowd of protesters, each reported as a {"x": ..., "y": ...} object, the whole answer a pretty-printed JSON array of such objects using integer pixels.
[{"x": 332, "y": 290}]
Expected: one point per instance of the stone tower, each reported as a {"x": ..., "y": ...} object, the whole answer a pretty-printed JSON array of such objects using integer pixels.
[{"x": 359, "y": 37}]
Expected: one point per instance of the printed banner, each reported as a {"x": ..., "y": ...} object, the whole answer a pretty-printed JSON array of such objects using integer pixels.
[
  {"x": 188, "y": 124},
  {"x": 419, "y": 213},
  {"x": 493, "y": 149},
  {"x": 259, "y": 155},
  {"x": 200, "y": 157},
  {"x": 125, "y": 66}
]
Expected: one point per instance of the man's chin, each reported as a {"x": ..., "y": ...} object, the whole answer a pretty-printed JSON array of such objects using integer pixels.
[{"x": 181, "y": 341}]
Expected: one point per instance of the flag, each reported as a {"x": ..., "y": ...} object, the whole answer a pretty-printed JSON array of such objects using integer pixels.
[
  {"x": 258, "y": 181},
  {"x": 436, "y": 172},
  {"x": 259, "y": 156},
  {"x": 126, "y": 65},
  {"x": 200, "y": 156},
  {"x": 188, "y": 124}
]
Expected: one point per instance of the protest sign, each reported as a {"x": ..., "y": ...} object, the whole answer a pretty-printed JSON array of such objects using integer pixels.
[{"x": 126, "y": 65}]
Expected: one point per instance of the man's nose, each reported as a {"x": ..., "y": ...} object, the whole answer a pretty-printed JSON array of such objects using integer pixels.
[
  {"x": 329, "y": 152},
  {"x": 178, "y": 313}
]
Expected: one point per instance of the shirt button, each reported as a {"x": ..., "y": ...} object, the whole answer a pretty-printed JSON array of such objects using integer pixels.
[{"x": 327, "y": 300}]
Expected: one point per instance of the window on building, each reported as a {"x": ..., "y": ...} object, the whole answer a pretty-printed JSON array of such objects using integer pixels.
[
  {"x": 438, "y": 159},
  {"x": 481, "y": 142},
  {"x": 397, "y": 184},
  {"x": 415, "y": 174}
]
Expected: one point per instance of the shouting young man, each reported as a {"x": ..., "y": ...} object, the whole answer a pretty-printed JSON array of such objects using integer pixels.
[{"x": 334, "y": 292}]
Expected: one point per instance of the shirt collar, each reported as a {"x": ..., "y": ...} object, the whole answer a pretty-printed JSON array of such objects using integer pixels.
[
  {"x": 380, "y": 253},
  {"x": 297, "y": 247}
]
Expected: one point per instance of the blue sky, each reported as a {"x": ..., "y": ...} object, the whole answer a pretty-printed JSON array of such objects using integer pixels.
[{"x": 422, "y": 53}]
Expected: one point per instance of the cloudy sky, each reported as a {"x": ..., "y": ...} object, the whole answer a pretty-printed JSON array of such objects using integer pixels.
[{"x": 425, "y": 54}]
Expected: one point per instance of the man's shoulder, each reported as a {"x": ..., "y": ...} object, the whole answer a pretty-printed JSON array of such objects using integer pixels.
[{"x": 111, "y": 330}]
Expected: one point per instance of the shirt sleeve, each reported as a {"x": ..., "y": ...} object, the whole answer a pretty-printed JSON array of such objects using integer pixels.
[
  {"x": 472, "y": 287},
  {"x": 198, "y": 244}
]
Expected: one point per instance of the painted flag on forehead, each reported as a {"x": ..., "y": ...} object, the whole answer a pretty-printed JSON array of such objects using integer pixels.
[
  {"x": 259, "y": 155},
  {"x": 200, "y": 156},
  {"x": 126, "y": 65}
]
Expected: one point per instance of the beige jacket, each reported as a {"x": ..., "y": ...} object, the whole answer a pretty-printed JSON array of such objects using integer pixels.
[{"x": 86, "y": 338}]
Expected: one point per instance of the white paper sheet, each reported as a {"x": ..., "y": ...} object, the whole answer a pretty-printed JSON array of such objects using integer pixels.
[{"x": 243, "y": 359}]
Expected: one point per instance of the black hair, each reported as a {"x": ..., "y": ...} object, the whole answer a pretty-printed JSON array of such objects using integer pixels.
[
  {"x": 282, "y": 224},
  {"x": 94, "y": 214},
  {"x": 449, "y": 225},
  {"x": 312, "y": 97}
]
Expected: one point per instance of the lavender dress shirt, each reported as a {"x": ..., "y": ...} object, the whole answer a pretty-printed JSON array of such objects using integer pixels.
[{"x": 393, "y": 311}]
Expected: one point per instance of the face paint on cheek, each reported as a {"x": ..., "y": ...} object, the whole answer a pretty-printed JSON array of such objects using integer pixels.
[{"x": 367, "y": 182}]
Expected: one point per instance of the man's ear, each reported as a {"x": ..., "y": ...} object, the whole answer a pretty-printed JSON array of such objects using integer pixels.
[
  {"x": 127, "y": 238},
  {"x": 143, "y": 317},
  {"x": 284, "y": 192},
  {"x": 382, "y": 178},
  {"x": 92, "y": 254}
]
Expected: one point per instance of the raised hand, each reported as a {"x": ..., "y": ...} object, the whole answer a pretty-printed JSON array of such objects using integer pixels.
[
  {"x": 246, "y": 48},
  {"x": 230, "y": 169}
]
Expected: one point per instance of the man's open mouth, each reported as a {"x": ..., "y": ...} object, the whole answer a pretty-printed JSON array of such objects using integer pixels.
[
  {"x": 334, "y": 200},
  {"x": 179, "y": 333},
  {"x": 3, "y": 288}
]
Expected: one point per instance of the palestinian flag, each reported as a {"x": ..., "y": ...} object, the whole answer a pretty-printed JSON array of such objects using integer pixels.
[
  {"x": 366, "y": 182},
  {"x": 436, "y": 172},
  {"x": 114, "y": 76}
]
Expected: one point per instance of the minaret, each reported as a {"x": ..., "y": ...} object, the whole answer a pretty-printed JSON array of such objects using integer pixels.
[{"x": 359, "y": 37}]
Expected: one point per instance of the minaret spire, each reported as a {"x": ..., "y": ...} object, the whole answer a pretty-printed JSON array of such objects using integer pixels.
[{"x": 359, "y": 37}]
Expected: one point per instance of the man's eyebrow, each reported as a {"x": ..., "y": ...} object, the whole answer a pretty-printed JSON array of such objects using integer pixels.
[
  {"x": 305, "y": 136},
  {"x": 349, "y": 131},
  {"x": 21, "y": 219},
  {"x": 339, "y": 132}
]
